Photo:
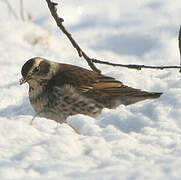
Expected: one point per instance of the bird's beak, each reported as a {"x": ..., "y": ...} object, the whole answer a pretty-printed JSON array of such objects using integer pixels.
[{"x": 22, "y": 81}]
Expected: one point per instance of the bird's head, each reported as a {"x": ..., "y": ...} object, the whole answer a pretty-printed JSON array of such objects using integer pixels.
[{"x": 36, "y": 70}]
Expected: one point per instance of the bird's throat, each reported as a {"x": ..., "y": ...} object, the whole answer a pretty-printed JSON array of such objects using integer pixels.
[{"x": 35, "y": 89}]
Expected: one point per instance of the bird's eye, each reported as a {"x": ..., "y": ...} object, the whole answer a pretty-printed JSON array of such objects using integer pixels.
[{"x": 36, "y": 69}]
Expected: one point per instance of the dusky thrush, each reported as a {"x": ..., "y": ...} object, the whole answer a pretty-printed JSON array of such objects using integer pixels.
[{"x": 57, "y": 90}]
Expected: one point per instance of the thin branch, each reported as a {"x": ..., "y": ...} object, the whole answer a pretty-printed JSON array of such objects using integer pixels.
[
  {"x": 59, "y": 21},
  {"x": 90, "y": 61},
  {"x": 10, "y": 8},
  {"x": 179, "y": 43},
  {"x": 135, "y": 66},
  {"x": 22, "y": 10}
]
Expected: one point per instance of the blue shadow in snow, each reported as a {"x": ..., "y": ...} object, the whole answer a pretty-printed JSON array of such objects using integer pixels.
[
  {"x": 153, "y": 5},
  {"x": 128, "y": 44},
  {"x": 127, "y": 124},
  {"x": 134, "y": 44},
  {"x": 15, "y": 110}
]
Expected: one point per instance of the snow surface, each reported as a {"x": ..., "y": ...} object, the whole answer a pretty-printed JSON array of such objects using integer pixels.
[{"x": 137, "y": 142}]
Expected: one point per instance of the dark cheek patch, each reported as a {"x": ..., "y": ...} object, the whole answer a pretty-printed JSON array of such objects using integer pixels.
[
  {"x": 44, "y": 68},
  {"x": 26, "y": 67}
]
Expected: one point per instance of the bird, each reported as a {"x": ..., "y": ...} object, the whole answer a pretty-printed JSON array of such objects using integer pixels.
[{"x": 57, "y": 90}]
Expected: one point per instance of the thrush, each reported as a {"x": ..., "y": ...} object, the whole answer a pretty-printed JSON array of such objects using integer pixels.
[{"x": 58, "y": 90}]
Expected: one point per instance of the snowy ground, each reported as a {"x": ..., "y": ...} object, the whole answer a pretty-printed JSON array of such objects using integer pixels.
[{"x": 138, "y": 142}]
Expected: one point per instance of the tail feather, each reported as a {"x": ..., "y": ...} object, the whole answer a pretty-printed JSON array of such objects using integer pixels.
[{"x": 136, "y": 95}]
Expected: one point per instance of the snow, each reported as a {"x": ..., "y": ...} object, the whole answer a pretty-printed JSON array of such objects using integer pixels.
[{"x": 137, "y": 142}]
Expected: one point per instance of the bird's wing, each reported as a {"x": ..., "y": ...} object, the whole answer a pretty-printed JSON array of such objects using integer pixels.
[
  {"x": 86, "y": 81},
  {"x": 99, "y": 86}
]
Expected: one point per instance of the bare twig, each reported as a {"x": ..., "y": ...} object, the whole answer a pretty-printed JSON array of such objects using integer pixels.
[
  {"x": 136, "y": 66},
  {"x": 90, "y": 61},
  {"x": 179, "y": 42},
  {"x": 10, "y": 8},
  {"x": 22, "y": 10},
  {"x": 59, "y": 21}
]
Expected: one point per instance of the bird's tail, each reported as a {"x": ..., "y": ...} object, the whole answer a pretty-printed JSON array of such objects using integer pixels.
[{"x": 131, "y": 96}]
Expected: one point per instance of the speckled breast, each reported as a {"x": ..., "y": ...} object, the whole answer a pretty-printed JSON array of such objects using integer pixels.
[{"x": 60, "y": 102}]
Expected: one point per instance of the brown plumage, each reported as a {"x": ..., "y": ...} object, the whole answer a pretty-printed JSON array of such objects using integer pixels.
[{"x": 59, "y": 90}]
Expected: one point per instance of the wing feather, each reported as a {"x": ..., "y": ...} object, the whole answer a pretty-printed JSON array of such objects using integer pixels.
[{"x": 98, "y": 86}]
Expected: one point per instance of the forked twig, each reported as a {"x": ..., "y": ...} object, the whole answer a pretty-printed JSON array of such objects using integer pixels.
[
  {"x": 59, "y": 21},
  {"x": 91, "y": 61}
]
